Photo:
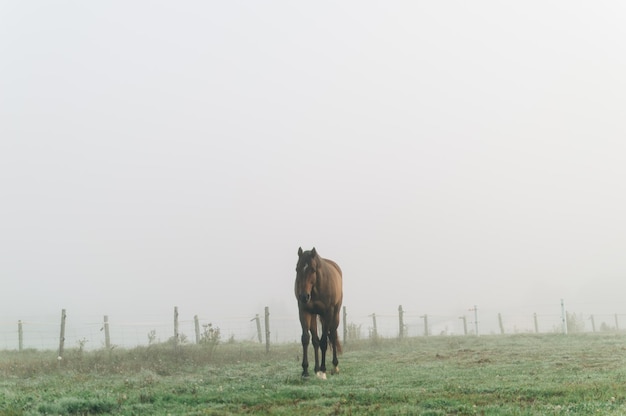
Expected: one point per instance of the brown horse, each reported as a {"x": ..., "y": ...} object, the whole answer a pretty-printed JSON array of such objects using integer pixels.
[{"x": 319, "y": 292}]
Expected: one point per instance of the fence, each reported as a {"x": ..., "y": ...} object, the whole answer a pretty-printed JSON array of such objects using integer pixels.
[
  {"x": 266, "y": 329},
  {"x": 70, "y": 331}
]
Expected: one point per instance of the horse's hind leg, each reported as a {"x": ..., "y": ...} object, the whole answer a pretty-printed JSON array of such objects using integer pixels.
[
  {"x": 323, "y": 347},
  {"x": 334, "y": 342}
]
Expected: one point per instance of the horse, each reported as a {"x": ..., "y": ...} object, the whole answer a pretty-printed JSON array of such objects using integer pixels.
[{"x": 319, "y": 293}]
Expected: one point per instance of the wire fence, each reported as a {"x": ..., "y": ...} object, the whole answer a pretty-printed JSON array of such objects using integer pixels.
[{"x": 44, "y": 333}]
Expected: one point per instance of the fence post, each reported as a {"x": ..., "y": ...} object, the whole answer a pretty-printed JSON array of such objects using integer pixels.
[
  {"x": 426, "y": 331},
  {"x": 375, "y": 330},
  {"x": 196, "y": 324},
  {"x": 258, "y": 327},
  {"x": 500, "y": 322},
  {"x": 593, "y": 323},
  {"x": 401, "y": 321},
  {"x": 345, "y": 325},
  {"x": 175, "y": 326},
  {"x": 464, "y": 318},
  {"x": 20, "y": 335},
  {"x": 107, "y": 336},
  {"x": 62, "y": 337},
  {"x": 563, "y": 318},
  {"x": 267, "y": 329},
  {"x": 536, "y": 323},
  {"x": 616, "y": 323},
  {"x": 475, "y": 309}
]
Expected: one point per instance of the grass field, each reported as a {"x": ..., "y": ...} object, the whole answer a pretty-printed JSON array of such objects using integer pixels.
[{"x": 490, "y": 375}]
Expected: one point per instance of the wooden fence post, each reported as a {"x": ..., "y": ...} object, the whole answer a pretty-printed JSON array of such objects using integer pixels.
[
  {"x": 536, "y": 323},
  {"x": 375, "y": 329},
  {"x": 175, "y": 326},
  {"x": 401, "y": 322},
  {"x": 616, "y": 323},
  {"x": 107, "y": 335},
  {"x": 426, "y": 331},
  {"x": 196, "y": 324},
  {"x": 563, "y": 318},
  {"x": 475, "y": 309},
  {"x": 593, "y": 324},
  {"x": 464, "y": 318},
  {"x": 62, "y": 336},
  {"x": 500, "y": 323},
  {"x": 345, "y": 326},
  {"x": 20, "y": 335},
  {"x": 267, "y": 329}
]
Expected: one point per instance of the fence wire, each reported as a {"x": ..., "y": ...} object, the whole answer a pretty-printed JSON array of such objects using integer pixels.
[{"x": 43, "y": 333}]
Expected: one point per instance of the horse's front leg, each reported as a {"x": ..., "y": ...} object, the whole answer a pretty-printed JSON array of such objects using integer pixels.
[
  {"x": 323, "y": 346},
  {"x": 305, "y": 320},
  {"x": 305, "y": 358},
  {"x": 316, "y": 342}
]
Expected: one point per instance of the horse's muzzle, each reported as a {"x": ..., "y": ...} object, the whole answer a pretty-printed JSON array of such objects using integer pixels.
[{"x": 305, "y": 297}]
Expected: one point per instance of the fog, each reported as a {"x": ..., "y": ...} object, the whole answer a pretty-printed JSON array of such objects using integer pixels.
[{"x": 445, "y": 154}]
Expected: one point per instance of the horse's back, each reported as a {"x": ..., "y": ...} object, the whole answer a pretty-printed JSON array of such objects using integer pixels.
[
  {"x": 335, "y": 277},
  {"x": 331, "y": 264}
]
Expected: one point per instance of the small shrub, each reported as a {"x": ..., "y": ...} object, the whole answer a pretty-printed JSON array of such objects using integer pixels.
[
  {"x": 182, "y": 339},
  {"x": 604, "y": 327},
  {"x": 575, "y": 323},
  {"x": 354, "y": 332},
  {"x": 210, "y": 336}
]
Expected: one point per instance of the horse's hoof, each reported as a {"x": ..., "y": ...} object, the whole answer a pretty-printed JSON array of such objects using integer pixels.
[
  {"x": 321, "y": 375},
  {"x": 335, "y": 370}
]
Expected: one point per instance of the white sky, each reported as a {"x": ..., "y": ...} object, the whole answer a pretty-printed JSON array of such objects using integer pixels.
[{"x": 444, "y": 153}]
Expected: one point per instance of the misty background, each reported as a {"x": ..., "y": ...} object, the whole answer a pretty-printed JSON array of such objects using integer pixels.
[{"x": 445, "y": 154}]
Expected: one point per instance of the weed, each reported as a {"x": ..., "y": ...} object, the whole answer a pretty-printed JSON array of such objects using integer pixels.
[{"x": 152, "y": 339}]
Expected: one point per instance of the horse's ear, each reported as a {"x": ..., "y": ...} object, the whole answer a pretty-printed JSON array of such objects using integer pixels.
[
  {"x": 313, "y": 252},
  {"x": 300, "y": 252}
]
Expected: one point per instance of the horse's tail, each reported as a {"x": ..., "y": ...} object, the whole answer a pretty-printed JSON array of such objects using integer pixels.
[{"x": 338, "y": 346}]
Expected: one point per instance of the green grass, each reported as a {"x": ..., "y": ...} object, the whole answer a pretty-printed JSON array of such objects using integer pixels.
[{"x": 491, "y": 375}]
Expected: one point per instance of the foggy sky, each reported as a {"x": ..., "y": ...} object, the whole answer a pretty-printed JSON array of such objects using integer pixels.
[{"x": 445, "y": 154}]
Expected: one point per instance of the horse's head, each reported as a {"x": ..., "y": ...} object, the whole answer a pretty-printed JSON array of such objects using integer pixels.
[{"x": 306, "y": 274}]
